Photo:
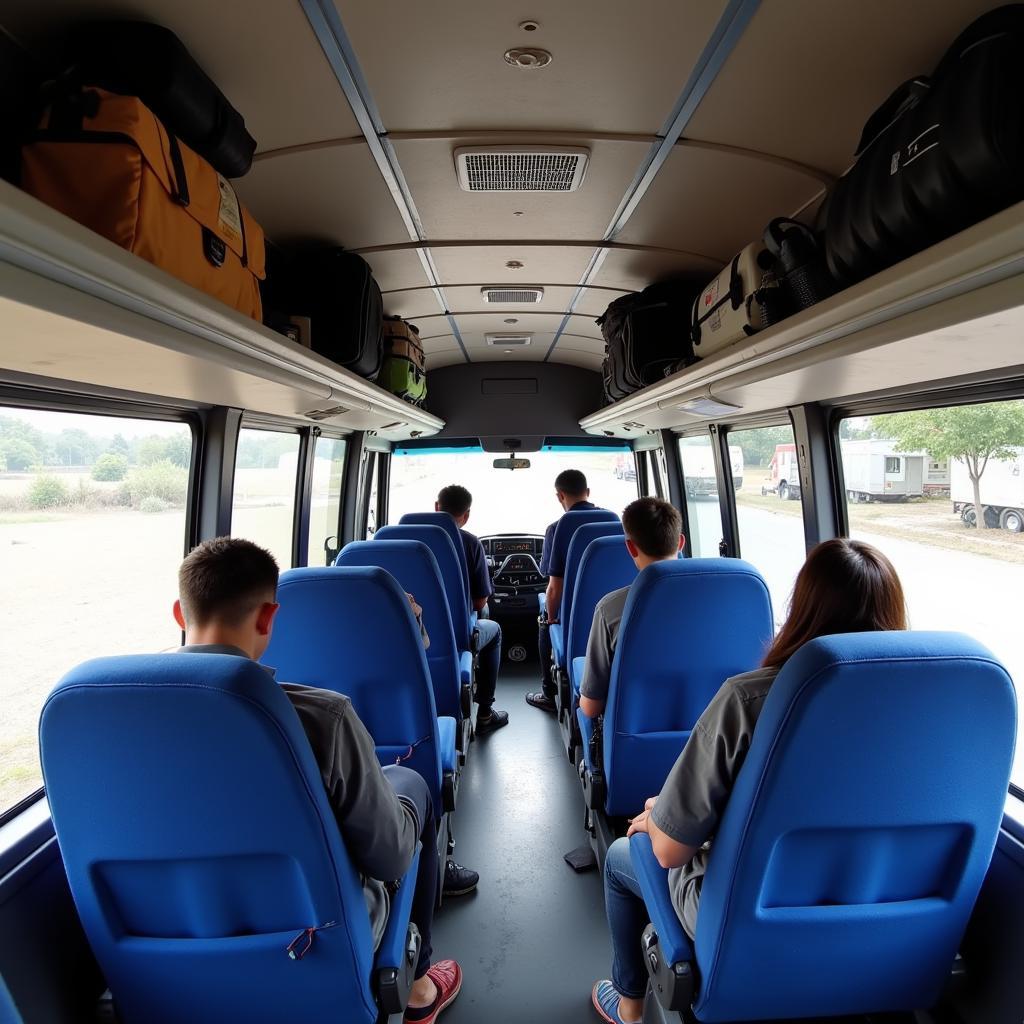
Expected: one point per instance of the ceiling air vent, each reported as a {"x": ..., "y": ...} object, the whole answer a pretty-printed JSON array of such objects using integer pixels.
[
  {"x": 512, "y": 296},
  {"x": 521, "y": 169},
  {"x": 508, "y": 340}
]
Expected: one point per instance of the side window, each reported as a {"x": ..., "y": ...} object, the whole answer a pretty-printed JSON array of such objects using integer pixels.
[
  {"x": 263, "y": 503},
  {"x": 92, "y": 529},
  {"x": 700, "y": 486},
  {"x": 325, "y": 501},
  {"x": 960, "y": 570},
  {"x": 766, "y": 479}
]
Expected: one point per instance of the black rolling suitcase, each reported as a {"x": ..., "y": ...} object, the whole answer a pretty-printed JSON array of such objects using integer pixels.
[
  {"x": 644, "y": 333},
  {"x": 336, "y": 291},
  {"x": 134, "y": 58},
  {"x": 939, "y": 155}
]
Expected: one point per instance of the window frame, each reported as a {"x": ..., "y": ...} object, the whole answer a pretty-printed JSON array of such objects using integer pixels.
[
  {"x": 303, "y": 467},
  {"x": 302, "y": 535},
  {"x": 13, "y": 397}
]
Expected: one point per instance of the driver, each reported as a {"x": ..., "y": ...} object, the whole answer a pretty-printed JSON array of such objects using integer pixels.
[
  {"x": 573, "y": 495},
  {"x": 456, "y": 501}
]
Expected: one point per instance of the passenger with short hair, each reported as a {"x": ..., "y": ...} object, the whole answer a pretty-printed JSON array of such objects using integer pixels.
[
  {"x": 226, "y": 605},
  {"x": 653, "y": 530},
  {"x": 845, "y": 586},
  {"x": 573, "y": 494},
  {"x": 457, "y": 501}
]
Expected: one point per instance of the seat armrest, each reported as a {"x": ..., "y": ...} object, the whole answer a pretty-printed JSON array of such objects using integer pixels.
[
  {"x": 586, "y": 735},
  {"x": 653, "y": 878},
  {"x": 557, "y": 646},
  {"x": 466, "y": 668},
  {"x": 446, "y": 729},
  {"x": 394, "y": 965},
  {"x": 542, "y": 603},
  {"x": 576, "y": 673}
]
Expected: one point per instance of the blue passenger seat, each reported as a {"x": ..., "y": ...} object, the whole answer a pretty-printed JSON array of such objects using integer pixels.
[
  {"x": 448, "y": 524},
  {"x": 440, "y": 543},
  {"x": 199, "y": 845},
  {"x": 605, "y": 566},
  {"x": 351, "y": 630},
  {"x": 413, "y": 564},
  {"x": 687, "y": 626},
  {"x": 855, "y": 841},
  {"x": 581, "y": 537},
  {"x": 8, "y": 1011}
]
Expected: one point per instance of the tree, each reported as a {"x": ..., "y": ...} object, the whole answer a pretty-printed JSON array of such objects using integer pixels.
[
  {"x": 74, "y": 447},
  {"x": 972, "y": 433},
  {"x": 176, "y": 449},
  {"x": 758, "y": 446},
  {"x": 110, "y": 467},
  {"x": 119, "y": 446},
  {"x": 20, "y": 454}
]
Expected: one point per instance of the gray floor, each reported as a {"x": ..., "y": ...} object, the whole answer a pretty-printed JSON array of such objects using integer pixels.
[{"x": 533, "y": 939}]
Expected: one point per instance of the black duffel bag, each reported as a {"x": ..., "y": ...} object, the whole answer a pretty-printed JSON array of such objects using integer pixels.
[
  {"x": 644, "y": 333},
  {"x": 134, "y": 58},
  {"x": 939, "y": 155}
]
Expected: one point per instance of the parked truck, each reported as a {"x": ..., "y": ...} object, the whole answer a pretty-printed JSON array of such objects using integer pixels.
[
  {"x": 783, "y": 474},
  {"x": 1002, "y": 492},
  {"x": 873, "y": 470},
  {"x": 699, "y": 468}
]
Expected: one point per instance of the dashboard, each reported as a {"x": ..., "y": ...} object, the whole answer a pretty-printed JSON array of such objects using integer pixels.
[{"x": 513, "y": 561}]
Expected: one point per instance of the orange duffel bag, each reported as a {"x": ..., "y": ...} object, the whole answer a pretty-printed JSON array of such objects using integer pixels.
[{"x": 107, "y": 162}]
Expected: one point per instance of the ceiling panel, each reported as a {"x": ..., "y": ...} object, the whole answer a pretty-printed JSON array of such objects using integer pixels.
[
  {"x": 334, "y": 194},
  {"x": 487, "y": 263},
  {"x": 632, "y": 269},
  {"x": 583, "y": 325},
  {"x": 269, "y": 64},
  {"x": 715, "y": 202},
  {"x": 410, "y": 303},
  {"x": 806, "y": 75},
  {"x": 396, "y": 269},
  {"x": 476, "y": 324},
  {"x": 594, "y": 301},
  {"x": 448, "y": 212},
  {"x": 437, "y": 69}
]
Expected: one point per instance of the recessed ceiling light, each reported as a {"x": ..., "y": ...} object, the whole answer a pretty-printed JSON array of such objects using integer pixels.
[
  {"x": 511, "y": 320},
  {"x": 514, "y": 265},
  {"x": 529, "y": 26},
  {"x": 527, "y": 57},
  {"x": 508, "y": 351},
  {"x": 517, "y": 213}
]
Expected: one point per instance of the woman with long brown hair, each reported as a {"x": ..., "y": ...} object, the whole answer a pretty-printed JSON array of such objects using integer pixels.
[{"x": 845, "y": 586}]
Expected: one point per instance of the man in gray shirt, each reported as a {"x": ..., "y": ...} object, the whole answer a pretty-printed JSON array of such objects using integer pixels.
[
  {"x": 226, "y": 606},
  {"x": 653, "y": 534}
]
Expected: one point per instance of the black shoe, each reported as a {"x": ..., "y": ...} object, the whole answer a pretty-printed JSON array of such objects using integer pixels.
[
  {"x": 459, "y": 880},
  {"x": 541, "y": 700},
  {"x": 494, "y": 721}
]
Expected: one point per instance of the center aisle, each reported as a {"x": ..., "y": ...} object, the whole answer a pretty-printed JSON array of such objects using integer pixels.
[{"x": 533, "y": 939}]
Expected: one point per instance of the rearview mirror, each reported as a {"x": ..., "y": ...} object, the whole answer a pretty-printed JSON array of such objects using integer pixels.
[{"x": 511, "y": 463}]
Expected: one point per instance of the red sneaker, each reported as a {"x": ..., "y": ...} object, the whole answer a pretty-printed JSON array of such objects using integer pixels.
[{"x": 447, "y": 976}]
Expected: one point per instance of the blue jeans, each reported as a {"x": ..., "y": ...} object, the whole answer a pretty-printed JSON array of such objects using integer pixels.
[
  {"x": 490, "y": 662},
  {"x": 411, "y": 786},
  {"x": 627, "y": 919}
]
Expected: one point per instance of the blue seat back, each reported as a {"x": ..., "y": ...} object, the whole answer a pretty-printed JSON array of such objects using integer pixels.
[
  {"x": 859, "y": 830},
  {"x": 351, "y": 630},
  {"x": 604, "y": 567},
  {"x": 577, "y": 545},
  {"x": 413, "y": 564},
  {"x": 687, "y": 626},
  {"x": 8, "y": 1011},
  {"x": 448, "y": 524},
  {"x": 447, "y": 561},
  {"x": 199, "y": 843},
  {"x": 567, "y": 527}
]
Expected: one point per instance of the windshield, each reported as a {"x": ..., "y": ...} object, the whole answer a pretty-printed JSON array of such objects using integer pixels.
[{"x": 508, "y": 501}]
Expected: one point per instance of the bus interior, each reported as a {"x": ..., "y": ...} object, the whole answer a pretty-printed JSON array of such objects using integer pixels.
[{"x": 506, "y": 172}]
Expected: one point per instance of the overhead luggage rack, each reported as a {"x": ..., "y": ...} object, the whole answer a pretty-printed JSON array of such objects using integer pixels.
[
  {"x": 79, "y": 310},
  {"x": 874, "y": 336}
]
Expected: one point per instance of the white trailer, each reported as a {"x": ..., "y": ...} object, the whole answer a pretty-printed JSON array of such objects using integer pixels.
[
  {"x": 783, "y": 474},
  {"x": 1001, "y": 488},
  {"x": 699, "y": 468},
  {"x": 874, "y": 471}
]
